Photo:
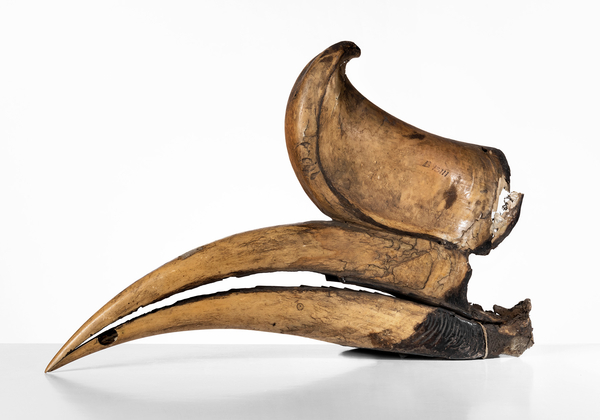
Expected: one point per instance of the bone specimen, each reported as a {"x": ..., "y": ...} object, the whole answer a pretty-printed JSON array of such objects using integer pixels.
[{"x": 407, "y": 208}]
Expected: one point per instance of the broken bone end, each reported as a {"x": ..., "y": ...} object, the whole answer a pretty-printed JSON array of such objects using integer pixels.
[
  {"x": 513, "y": 336},
  {"x": 504, "y": 223}
]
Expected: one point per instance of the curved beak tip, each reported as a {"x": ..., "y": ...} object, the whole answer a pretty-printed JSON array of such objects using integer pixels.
[{"x": 54, "y": 364}]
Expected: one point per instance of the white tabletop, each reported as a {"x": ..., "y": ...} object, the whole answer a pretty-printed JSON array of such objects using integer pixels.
[{"x": 152, "y": 381}]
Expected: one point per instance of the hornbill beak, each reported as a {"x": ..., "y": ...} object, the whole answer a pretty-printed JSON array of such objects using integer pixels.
[{"x": 408, "y": 209}]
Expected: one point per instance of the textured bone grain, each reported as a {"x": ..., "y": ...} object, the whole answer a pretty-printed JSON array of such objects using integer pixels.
[
  {"x": 344, "y": 317},
  {"x": 360, "y": 164},
  {"x": 415, "y": 267},
  {"x": 408, "y": 208}
]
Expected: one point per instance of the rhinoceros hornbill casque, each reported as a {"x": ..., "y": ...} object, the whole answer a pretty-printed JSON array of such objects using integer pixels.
[{"x": 407, "y": 208}]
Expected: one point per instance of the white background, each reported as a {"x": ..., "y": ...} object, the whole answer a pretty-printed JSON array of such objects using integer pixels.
[{"x": 132, "y": 132}]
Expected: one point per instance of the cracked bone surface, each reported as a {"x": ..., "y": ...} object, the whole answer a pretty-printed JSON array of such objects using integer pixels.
[{"x": 408, "y": 208}]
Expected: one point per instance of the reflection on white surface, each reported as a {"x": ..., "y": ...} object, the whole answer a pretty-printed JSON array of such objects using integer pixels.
[
  {"x": 234, "y": 374},
  {"x": 293, "y": 382}
]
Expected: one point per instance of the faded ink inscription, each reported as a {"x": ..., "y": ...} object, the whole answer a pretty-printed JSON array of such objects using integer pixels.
[{"x": 443, "y": 172}]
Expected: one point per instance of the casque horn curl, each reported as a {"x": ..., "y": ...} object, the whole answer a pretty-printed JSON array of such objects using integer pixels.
[{"x": 408, "y": 208}]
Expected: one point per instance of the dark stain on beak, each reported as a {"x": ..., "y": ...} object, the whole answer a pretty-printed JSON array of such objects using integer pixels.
[
  {"x": 108, "y": 337},
  {"x": 450, "y": 196}
]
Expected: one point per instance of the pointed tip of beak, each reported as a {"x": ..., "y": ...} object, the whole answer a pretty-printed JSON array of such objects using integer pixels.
[
  {"x": 121, "y": 305},
  {"x": 59, "y": 357},
  {"x": 58, "y": 363},
  {"x": 68, "y": 352},
  {"x": 55, "y": 363}
]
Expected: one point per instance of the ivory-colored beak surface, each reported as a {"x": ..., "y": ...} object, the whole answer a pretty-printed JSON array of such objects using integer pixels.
[
  {"x": 409, "y": 207},
  {"x": 401, "y": 265}
]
